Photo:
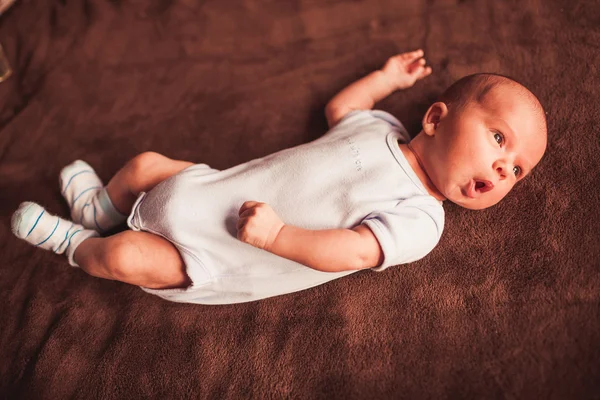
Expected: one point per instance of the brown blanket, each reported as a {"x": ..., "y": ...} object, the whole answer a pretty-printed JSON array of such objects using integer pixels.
[{"x": 507, "y": 306}]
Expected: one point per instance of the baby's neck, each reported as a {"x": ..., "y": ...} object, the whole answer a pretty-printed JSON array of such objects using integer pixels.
[{"x": 416, "y": 165}]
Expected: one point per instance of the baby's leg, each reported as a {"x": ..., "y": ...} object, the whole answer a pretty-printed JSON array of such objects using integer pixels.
[
  {"x": 102, "y": 208},
  {"x": 137, "y": 258},
  {"x": 141, "y": 174}
]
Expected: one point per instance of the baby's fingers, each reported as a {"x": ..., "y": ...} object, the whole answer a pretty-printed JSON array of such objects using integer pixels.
[
  {"x": 416, "y": 65},
  {"x": 426, "y": 72},
  {"x": 410, "y": 57},
  {"x": 419, "y": 70}
]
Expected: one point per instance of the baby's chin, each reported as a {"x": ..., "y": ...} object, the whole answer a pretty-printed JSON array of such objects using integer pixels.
[
  {"x": 475, "y": 207},
  {"x": 459, "y": 195},
  {"x": 480, "y": 203}
]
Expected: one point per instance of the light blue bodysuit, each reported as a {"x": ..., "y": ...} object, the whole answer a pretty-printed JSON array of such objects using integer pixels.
[{"x": 354, "y": 174}]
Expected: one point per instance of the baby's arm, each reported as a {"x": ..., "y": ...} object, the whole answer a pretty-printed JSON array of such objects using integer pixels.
[
  {"x": 327, "y": 250},
  {"x": 399, "y": 72}
]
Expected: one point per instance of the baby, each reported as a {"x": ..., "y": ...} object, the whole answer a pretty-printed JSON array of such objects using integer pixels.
[{"x": 361, "y": 196}]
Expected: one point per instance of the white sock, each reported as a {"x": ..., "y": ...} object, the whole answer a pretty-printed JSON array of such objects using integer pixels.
[
  {"x": 33, "y": 224},
  {"x": 86, "y": 195}
]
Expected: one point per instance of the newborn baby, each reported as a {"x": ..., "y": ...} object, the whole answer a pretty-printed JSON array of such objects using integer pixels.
[{"x": 361, "y": 196}]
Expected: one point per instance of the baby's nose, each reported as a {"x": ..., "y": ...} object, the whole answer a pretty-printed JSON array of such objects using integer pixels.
[{"x": 500, "y": 170}]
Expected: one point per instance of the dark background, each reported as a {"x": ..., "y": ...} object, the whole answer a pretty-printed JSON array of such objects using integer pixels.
[{"x": 507, "y": 306}]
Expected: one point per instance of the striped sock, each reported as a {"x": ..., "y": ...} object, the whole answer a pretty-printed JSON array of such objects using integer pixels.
[
  {"x": 33, "y": 224},
  {"x": 86, "y": 195}
]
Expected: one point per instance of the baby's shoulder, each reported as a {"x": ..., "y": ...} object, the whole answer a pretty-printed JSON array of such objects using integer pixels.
[{"x": 368, "y": 121}]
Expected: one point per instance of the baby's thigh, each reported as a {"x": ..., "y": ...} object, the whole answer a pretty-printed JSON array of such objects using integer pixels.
[{"x": 148, "y": 260}]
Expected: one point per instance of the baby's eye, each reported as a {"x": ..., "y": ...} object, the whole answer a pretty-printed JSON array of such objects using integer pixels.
[
  {"x": 499, "y": 138},
  {"x": 517, "y": 171}
]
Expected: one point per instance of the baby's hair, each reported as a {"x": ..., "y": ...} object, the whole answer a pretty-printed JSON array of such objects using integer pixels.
[{"x": 475, "y": 87}]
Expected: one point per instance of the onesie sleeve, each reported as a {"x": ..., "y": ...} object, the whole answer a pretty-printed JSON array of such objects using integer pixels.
[
  {"x": 409, "y": 231},
  {"x": 379, "y": 114},
  {"x": 356, "y": 118}
]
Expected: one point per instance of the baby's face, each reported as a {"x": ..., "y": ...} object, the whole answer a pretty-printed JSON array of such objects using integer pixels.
[{"x": 485, "y": 148}]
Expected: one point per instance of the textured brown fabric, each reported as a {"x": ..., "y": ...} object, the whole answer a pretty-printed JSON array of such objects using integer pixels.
[{"x": 507, "y": 306}]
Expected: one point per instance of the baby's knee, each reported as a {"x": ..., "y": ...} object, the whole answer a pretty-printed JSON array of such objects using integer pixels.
[
  {"x": 144, "y": 259},
  {"x": 123, "y": 258},
  {"x": 145, "y": 161}
]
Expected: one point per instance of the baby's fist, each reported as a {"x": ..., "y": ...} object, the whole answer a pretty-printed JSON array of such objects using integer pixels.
[
  {"x": 258, "y": 225},
  {"x": 403, "y": 70}
]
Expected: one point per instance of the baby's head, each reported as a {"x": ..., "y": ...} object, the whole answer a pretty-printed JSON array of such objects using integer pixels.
[{"x": 484, "y": 134}]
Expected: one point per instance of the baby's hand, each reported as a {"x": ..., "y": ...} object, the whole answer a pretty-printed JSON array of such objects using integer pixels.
[
  {"x": 258, "y": 225},
  {"x": 403, "y": 70}
]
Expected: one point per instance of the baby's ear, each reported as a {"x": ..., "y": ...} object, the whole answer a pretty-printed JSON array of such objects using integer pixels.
[{"x": 436, "y": 112}]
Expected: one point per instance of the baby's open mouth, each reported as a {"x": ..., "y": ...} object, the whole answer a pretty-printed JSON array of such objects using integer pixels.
[
  {"x": 477, "y": 187},
  {"x": 483, "y": 186}
]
